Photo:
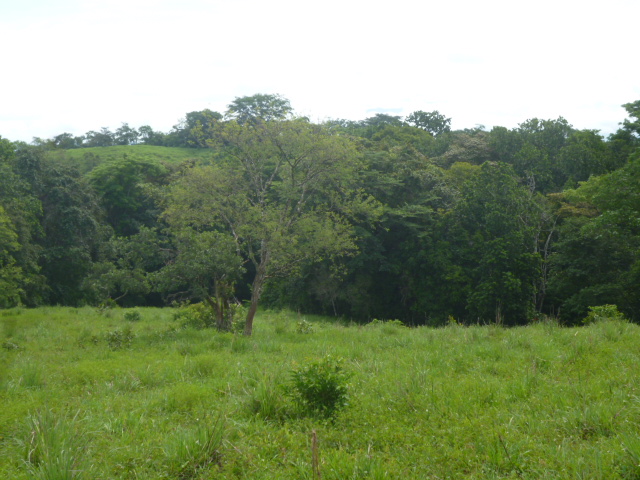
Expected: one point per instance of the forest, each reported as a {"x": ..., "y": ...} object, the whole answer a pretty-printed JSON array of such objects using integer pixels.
[{"x": 388, "y": 217}]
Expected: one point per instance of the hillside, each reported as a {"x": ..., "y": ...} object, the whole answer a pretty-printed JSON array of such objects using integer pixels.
[{"x": 86, "y": 159}]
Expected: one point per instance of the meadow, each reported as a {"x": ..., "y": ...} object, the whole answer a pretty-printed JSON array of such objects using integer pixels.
[
  {"x": 86, "y": 159},
  {"x": 136, "y": 394}
]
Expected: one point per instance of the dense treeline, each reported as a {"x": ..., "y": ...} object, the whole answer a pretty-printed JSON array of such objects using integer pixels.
[{"x": 388, "y": 217}]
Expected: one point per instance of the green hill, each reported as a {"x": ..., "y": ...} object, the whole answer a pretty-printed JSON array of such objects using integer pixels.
[{"x": 86, "y": 159}]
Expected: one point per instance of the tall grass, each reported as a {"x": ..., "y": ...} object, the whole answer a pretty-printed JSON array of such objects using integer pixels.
[
  {"x": 54, "y": 449},
  {"x": 541, "y": 401}
]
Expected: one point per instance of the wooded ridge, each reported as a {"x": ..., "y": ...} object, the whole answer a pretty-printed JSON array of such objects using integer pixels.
[{"x": 388, "y": 217}]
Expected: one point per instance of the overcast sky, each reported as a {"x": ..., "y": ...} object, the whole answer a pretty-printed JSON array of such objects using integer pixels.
[{"x": 74, "y": 66}]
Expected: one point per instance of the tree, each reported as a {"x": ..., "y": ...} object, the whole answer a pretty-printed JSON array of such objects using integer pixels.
[
  {"x": 18, "y": 167},
  {"x": 151, "y": 137},
  {"x": 583, "y": 155},
  {"x": 128, "y": 271},
  {"x": 281, "y": 195},
  {"x": 125, "y": 135},
  {"x": 258, "y": 107},
  {"x": 483, "y": 259},
  {"x": 119, "y": 185},
  {"x": 208, "y": 265},
  {"x": 67, "y": 141},
  {"x": 7, "y": 149},
  {"x": 74, "y": 232},
  {"x": 433, "y": 122},
  {"x": 596, "y": 259},
  {"x": 632, "y": 124},
  {"x": 194, "y": 130},
  {"x": 11, "y": 277},
  {"x": 103, "y": 138}
]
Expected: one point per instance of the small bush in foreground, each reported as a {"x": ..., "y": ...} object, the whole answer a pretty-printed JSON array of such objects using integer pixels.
[{"x": 321, "y": 387}]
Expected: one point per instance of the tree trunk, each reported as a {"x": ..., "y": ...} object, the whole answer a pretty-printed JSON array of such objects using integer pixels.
[{"x": 256, "y": 293}]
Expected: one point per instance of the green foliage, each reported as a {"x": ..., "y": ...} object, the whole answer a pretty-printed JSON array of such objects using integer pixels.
[
  {"x": 120, "y": 338},
  {"x": 320, "y": 388},
  {"x": 596, "y": 254},
  {"x": 201, "y": 315},
  {"x": 274, "y": 199},
  {"x": 304, "y": 327},
  {"x": 132, "y": 316},
  {"x": 196, "y": 315},
  {"x": 119, "y": 184},
  {"x": 259, "y": 107},
  {"x": 603, "y": 312},
  {"x": 433, "y": 122}
]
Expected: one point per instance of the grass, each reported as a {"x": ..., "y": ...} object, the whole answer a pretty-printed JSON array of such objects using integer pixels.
[
  {"x": 85, "y": 159},
  {"x": 533, "y": 402}
]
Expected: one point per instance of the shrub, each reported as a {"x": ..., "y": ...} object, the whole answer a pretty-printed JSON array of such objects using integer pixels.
[
  {"x": 197, "y": 316},
  {"x": 118, "y": 339},
  {"x": 7, "y": 345},
  {"x": 321, "y": 387},
  {"x": 194, "y": 450},
  {"x": 132, "y": 316},
  {"x": 603, "y": 312},
  {"x": 200, "y": 316},
  {"x": 304, "y": 327}
]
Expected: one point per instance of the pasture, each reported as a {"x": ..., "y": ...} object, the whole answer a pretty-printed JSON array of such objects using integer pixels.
[{"x": 114, "y": 394}]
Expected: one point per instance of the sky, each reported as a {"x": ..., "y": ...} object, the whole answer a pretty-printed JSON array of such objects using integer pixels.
[{"x": 78, "y": 65}]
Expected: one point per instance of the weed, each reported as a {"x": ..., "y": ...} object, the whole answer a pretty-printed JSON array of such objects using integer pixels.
[
  {"x": 304, "y": 327},
  {"x": 120, "y": 338},
  {"x": 54, "y": 450},
  {"x": 105, "y": 309},
  {"x": 320, "y": 387},
  {"x": 7, "y": 345},
  {"x": 193, "y": 450},
  {"x": 631, "y": 464},
  {"x": 132, "y": 316},
  {"x": 9, "y": 325},
  {"x": 32, "y": 376},
  {"x": 266, "y": 401}
]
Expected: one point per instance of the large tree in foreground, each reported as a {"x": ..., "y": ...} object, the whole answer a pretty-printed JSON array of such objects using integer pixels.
[{"x": 282, "y": 192}]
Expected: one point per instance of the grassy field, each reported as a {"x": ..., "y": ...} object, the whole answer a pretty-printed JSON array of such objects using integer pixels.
[
  {"x": 85, "y": 159},
  {"x": 101, "y": 395}
]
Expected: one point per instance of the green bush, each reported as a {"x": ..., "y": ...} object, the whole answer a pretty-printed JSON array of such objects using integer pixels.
[
  {"x": 603, "y": 312},
  {"x": 304, "y": 327},
  {"x": 132, "y": 316},
  {"x": 196, "y": 315},
  {"x": 200, "y": 316},
  {"x": 118, "y": 339},
  {"x": 321, "y": 387}
]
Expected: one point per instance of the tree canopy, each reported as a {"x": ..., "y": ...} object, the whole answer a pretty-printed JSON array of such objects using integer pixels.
[{"x": 385, "y": 217}]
